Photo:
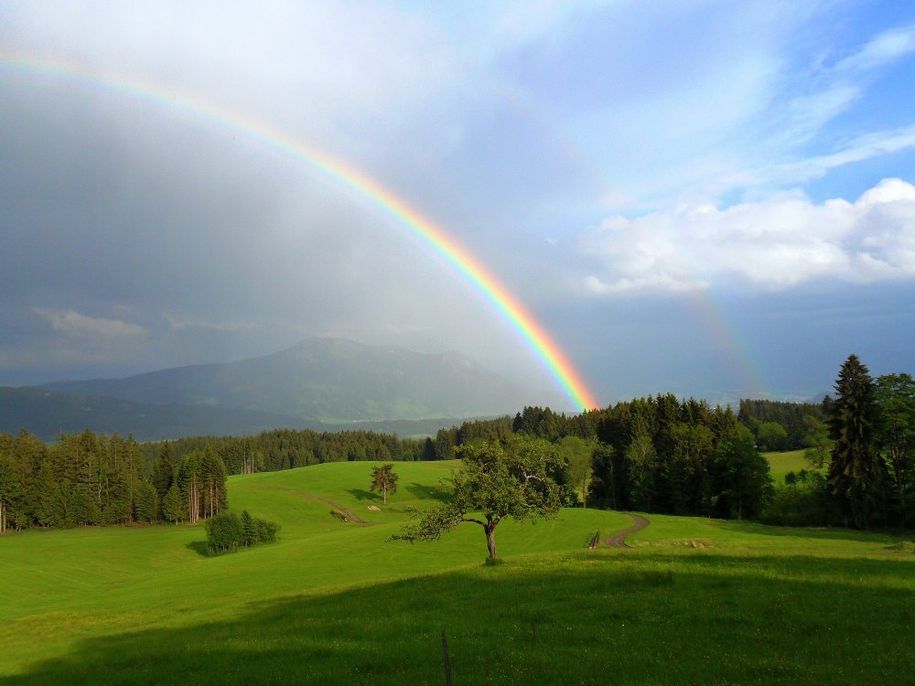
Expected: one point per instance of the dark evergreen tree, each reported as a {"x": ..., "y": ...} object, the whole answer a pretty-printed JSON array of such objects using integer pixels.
[
  {"x": 189, "y": 482},
  {"x": 602, "y": 490},
  {"x": 146, "y": 502},
  {"x": 164, "y": 470},
  {"x": 174, "y": 507},
  {"x": 741, "y": 476},
  {"x": 857, "y": 474}
]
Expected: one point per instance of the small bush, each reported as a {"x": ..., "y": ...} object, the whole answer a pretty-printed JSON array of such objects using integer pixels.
[
  {"x": 227, "y": 532},
  {"x": 224, "y": 533}
]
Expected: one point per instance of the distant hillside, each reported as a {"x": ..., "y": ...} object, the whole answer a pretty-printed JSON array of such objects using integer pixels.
[
  {"x": 330, "y": 380},
  {"x": 46, "y": 413}
]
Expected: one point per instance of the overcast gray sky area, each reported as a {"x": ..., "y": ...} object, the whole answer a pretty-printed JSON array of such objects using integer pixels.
[{"x": 712, "y": 198}]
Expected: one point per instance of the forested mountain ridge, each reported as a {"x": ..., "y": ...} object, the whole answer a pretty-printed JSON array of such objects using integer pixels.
[
  {"x": 325, "y": 379},
  {"x": 48, "y": 413}
]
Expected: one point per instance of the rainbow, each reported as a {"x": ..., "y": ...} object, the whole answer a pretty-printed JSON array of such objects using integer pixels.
[{"x": 541, "y": 343}]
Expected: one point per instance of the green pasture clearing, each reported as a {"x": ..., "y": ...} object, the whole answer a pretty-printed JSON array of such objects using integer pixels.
[
  {"x": 783, "y": 462},
  {"x": 694, "y": 600}
]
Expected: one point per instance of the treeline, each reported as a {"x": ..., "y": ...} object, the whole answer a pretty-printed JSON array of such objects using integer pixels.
[
  {"x": 534, "y": 421},
  {"x": 869, "y": 478},
  {"x": 287, "y": 448},
  {"x": 83, "y": 479},
  {"x": 88, "y": 479},
  {"x": 683, "y": 457},
  {"x": 190, "y": 487},
  {"x": 780, "y": 425},
  {"x": 655, "y": 454}
]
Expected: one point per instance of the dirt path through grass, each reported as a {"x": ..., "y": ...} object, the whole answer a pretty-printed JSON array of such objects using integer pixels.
[
  {"x": 350, "y": 516},
  {"x": 618, "y": 539}
]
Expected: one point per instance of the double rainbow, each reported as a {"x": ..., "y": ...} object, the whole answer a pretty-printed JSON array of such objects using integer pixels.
[{"x": 544, "y": 347}]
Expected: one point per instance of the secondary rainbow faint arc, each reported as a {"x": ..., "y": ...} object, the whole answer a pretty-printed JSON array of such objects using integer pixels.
[{"x": 544, "y": 347}]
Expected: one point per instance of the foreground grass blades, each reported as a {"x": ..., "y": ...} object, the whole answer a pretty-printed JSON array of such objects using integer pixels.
[{"x": 693, "y": 601}]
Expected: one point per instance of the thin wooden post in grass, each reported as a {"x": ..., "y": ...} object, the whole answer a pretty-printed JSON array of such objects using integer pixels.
[
  {"x": 446, "y": 659},
  {"x": 595, "y": 539}
]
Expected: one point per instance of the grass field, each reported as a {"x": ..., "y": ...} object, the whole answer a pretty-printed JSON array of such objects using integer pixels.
[
  {"x": 782, "y": 463},
  {"x": 694, "y": 600}
]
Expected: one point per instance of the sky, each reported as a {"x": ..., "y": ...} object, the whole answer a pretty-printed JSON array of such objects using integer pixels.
[{"x": 710, "y": 198}]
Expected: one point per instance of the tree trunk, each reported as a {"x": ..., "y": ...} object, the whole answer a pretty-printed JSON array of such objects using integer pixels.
[
  {"x": 490, "y": 530},
  {"x": 384, "y": 494}
]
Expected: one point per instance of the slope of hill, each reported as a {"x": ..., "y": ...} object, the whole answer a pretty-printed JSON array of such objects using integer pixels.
[
  {"x": 694, "y": 600},
  {"x": 326, "y": 379}
]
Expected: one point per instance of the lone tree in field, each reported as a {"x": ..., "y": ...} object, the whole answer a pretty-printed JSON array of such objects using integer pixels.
[
  {"x": 496, "y": 480},
  {"x": 384, "y": 480},
  {"x": 857, "y": 473}
]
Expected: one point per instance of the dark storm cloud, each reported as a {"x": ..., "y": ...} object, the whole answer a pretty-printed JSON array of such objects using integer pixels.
[{"x": 139, "y": 235}]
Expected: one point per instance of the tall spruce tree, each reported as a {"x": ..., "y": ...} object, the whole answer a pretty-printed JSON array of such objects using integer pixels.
[
  {"x": 857, "y": 473},
  {"x": 164, "y": 471}
]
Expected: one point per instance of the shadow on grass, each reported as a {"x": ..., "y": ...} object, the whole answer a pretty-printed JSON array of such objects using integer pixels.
[
  {"x": 362, "y": 494},
  {"x": 586, "y": 618},
  {"x": 429, "y": 492},
  {"x": 199, "y": 547},
  {"x": 836, "y": 534}
]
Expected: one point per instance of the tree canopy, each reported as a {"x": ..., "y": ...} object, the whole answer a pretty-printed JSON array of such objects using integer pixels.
[{"x": 497, "y": 480}]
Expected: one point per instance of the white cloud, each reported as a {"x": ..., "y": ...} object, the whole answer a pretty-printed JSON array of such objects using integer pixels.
[
  {"x": 182, "y": 323},
  {"x": 778, "y": 243},
  {"x": 880, "y": 50},
  {"x": 858, "y": 149},
  {"x": 77, "y": 325}
]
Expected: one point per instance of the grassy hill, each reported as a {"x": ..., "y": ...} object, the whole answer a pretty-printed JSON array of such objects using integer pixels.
[
  {"x": 781, "y": 463},
  {"x": 694, "y": 600}
]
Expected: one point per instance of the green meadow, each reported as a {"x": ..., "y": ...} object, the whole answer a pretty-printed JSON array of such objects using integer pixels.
[
  {"x": 693, "y": 600},
  {"x": 781, "y": 463}
]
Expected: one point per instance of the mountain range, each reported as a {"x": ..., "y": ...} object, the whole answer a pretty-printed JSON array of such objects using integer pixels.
[{"x": 318, "y": 383}]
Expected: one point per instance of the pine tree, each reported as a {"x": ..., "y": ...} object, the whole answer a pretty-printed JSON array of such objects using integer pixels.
[
  {"x": 384, "y": 480},
  {"x": 249, "y": 527},
  {"x": 174, "y": 508},
  {"x": 212, "y": 472},
  {"x": 857, "y": 473},
  {"x": 145, "y": 506},
  {"x": 164, "y": 471},
  {"x": 188, "y": 479}
]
